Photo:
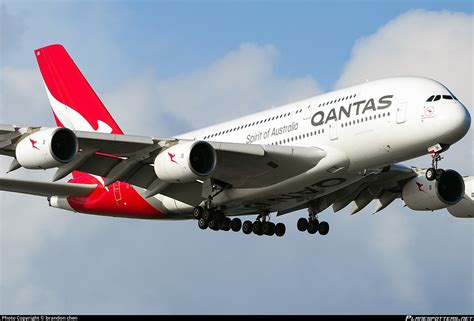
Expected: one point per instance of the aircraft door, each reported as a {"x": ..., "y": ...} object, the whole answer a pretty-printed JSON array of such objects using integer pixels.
[
  {"x": 117, "y": 192},
  {"x": 401, "y": 113},
  {"x": 309, "y": 111}
]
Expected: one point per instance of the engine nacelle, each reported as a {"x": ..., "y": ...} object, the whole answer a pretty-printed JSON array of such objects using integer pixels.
[
  {"x": 465, "y": 207},
  {"x": 421, "y": 194},
  {"x": 185, "y": 162},
  {"x": 47, "y": 148}
]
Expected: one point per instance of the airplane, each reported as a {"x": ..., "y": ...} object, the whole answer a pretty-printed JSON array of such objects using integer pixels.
[{"x": 339, "y": 148}]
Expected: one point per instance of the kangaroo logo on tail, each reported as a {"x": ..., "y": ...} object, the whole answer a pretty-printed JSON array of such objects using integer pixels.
[{"x": 72, "y": 119}]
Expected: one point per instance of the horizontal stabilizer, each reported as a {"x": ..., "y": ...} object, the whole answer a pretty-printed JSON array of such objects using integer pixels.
[{"x": 45, "y": 188}]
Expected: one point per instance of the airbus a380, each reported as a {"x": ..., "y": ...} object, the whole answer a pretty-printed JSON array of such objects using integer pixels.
[{"x": 334, "y": 149}]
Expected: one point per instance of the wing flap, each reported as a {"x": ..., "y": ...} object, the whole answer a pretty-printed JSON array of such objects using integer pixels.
[
  {"x": 4, "y": 129},
  {"x": 118, "y": 145}
]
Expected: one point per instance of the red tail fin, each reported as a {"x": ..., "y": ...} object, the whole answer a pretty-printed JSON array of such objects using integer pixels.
[{"x": 74, "y": 102}]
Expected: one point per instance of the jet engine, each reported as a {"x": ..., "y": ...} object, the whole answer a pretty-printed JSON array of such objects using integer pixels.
[
  {"x": 47, "y": 148},
  {"x": 465, "y": 207},
  {"x": 421, "y": 194},
  {"x": 185, "y": 162}
]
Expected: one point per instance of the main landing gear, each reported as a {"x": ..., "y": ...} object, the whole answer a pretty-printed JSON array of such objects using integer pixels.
[
  {"x": 312, "y": 224},
  {"x": 434, "y": 173},
  {"x": 263, "y": 226},
  {"x": 216, "y": 220}
]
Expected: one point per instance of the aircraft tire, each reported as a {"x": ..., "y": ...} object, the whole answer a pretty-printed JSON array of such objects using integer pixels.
[
  {"x": 280, "y": 229},
  {"x": 247, "y": 227},
  {"x": 323, "y": 228},
  {"x": 236, "y": 224},
  {"x": 302, "y": 224},
  {"x": 313, "y": 227},
  {"x": 430, "y": 174}
]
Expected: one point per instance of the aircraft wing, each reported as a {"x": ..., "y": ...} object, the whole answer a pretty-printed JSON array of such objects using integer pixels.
[
  {"x": 382, "y": 186},
  {"x": 129, "y": 158},
  {"x": 44, "y": 188}
]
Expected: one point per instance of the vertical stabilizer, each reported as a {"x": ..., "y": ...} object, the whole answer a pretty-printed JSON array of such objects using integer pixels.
[{"x": 75, "y": 104}]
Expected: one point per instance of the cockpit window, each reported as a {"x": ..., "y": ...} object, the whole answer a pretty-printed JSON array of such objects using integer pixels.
[{"x": 438, "y": 97}]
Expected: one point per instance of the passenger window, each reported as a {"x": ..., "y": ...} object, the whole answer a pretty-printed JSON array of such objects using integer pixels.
[
  {"x": 430, "y": 99},
  {"x": 437, "y": 97}
]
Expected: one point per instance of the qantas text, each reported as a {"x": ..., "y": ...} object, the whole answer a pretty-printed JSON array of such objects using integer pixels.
[{"x": 357, "y": 108}]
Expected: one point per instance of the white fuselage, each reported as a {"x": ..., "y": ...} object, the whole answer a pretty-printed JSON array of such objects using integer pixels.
[{"x": 363, "y": 128}]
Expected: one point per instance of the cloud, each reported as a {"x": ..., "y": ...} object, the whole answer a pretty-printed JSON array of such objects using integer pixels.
[
  {"x": 242, "y": 82},
  {"x": 12, "y": 28},
  {"x": 23, "y": 97},
  {"x": 432, "y": 44}
]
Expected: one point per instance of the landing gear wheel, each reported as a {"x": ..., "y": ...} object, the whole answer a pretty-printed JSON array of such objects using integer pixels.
[
  {"x": 220, "y": 224},
  {"x": 272, "y": 228},
  {"x": 213, "y": 225},
  {"x": 430, "y": 174},
  {"x": 439, "y": 173},
  {"x": 225, "y": 224},
  {"x": 208, "y": 215},
  {"x": 236, "y": 224},
  {"x": 247, "y": 227},
  {"x": 280, "y": 229},
  {"x": 202, "y": 223},
  {"x": 219, "y": 216},
  {"x": 267, "y": 228},
  {"x": 302, "y": 224},
  {"x": 313, "y": 226},
  {"x": 323, "y": 228},
  {"x": 197, "y": 212},
  {"x": 257, "y": 228}
]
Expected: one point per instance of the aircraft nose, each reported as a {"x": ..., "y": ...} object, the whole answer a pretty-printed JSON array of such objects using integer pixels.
[{"x": 459, "y": 123}]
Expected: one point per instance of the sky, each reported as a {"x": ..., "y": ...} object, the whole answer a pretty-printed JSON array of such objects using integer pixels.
[{"x": 164, "y": 68}]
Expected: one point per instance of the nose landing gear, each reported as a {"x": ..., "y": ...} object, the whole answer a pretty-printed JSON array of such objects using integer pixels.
[{"x": 434, "y": 173}]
